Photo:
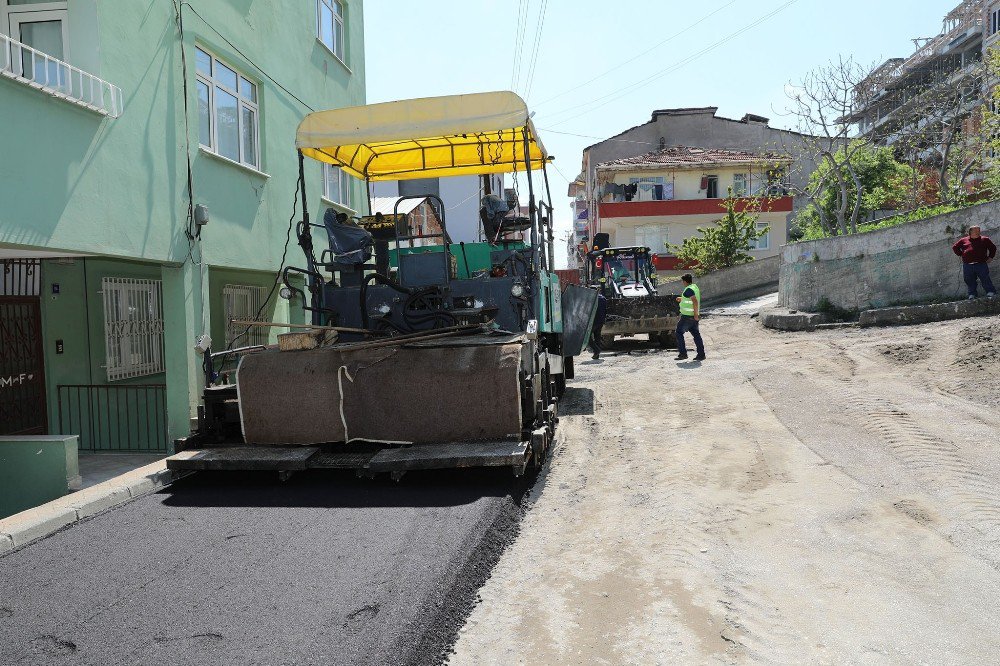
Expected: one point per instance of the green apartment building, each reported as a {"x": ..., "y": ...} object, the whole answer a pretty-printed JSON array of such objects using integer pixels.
[{"x": 108, "y": 111}]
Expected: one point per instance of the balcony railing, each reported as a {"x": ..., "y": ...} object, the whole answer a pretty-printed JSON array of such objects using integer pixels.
[{"x": 57, "y": 78}]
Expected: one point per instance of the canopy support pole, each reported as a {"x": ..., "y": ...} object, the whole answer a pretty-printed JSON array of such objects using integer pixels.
[
  {"x": 532, "y": 211},
  {"x": 305, "y": 242},
  {"x": 548, "y": 200}
]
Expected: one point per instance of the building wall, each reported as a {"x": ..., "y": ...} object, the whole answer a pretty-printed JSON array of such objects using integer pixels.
[
  {"x": 701, "y": 128},
  {"x": 909, "y": 263},
  {"x": 75, "y": 181},
  {"x": 687, "y": 182},
  {"x": 679, "y": 227}
]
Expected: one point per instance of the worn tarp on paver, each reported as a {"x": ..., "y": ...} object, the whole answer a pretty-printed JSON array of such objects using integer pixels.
[
  {"x": 452, "y": 390},
  {"x": 433, "y": 136}
]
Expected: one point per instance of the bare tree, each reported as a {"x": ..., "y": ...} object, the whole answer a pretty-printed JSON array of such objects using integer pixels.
[{"x": 825, "y": 105}]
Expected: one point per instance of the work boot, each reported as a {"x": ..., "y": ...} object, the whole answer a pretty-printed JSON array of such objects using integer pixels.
[{"x": 681, "y": 357}]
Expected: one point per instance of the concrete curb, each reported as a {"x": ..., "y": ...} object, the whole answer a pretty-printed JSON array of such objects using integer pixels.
[
  {"x": 789, "y": 320},
  {"x": 923, "y": 314},
  {"x": 41, "y": 521}
]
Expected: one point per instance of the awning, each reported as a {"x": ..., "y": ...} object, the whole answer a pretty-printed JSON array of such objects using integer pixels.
[{"x": 420, "y": 138}]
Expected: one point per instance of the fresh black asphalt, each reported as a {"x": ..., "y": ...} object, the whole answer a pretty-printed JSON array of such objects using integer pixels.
[{"x": 218, "y": 569}]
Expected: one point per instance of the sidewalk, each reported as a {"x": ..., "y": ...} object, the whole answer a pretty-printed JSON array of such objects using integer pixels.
[{"x": 99, "y": 467}]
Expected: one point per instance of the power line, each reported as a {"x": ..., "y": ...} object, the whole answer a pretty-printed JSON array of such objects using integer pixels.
[
  {"x": 536, "y": 48},
  {"x": 522, "y": 24},
  {"x": 617, "y": 94},
  {"x": 599, "y": 138},
  {"x": 636, "y": 57}
]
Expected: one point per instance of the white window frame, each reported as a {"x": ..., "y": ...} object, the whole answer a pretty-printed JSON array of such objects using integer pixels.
[
  {"x": 339, "y": 22},
  {"x": 740, "y": 184},
  {"x": 994, "y": 22},
  {"x": 242, "y": 302},
  {"x": 763, "y": 242},
  {"x": 660, "y": 231},
  {"x": 212, "y": 82},
  {"x": 346, "y": 186},
  {"x": 133, "y": 327},
  {"x": 42, "y": 13}
]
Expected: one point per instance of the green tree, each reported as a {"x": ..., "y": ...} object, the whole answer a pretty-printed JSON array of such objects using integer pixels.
[
  {"x": 727, "y": 243},
  {"x": 882, "y": 181}
]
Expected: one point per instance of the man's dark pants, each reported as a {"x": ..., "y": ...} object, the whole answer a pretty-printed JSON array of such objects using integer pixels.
[
  {"x": 595, "y": 340},
  {"x": 980, "y": 271},
  {"x": 683, "y": 326}
]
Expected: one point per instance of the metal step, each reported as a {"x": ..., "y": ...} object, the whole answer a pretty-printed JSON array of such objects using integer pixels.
[
  {"x": 340, "y": 459},
  {"x": 252, "y": 458},
  {"x": 441, "y": 456}
]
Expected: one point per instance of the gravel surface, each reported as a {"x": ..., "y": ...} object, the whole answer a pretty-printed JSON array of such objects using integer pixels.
[
  {"x": 827, "y": 497},
  {"x": 322, "y": 569}
]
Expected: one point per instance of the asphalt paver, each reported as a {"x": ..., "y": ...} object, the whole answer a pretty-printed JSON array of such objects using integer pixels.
[{"x": 220, "y": 569}]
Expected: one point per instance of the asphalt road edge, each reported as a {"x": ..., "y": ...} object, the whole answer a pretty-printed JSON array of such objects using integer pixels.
[
  {"x": 31, "y": 525},
  {"x": 435, "y": 645}
]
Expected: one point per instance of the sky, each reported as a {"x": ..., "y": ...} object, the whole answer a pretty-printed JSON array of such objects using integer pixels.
[{"x": 601, "y": 67}]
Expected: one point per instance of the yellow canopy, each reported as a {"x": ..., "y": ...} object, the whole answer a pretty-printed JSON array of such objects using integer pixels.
[{"x": 419, "y": 138}]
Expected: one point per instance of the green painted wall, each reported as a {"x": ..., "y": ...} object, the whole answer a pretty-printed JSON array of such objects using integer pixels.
[
  {"x": 75, "y": 316},
  {"x": 73, "y": 180},
  {"x": 34, "y": 470}
]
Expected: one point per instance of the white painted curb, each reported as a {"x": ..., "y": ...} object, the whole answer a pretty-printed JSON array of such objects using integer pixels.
[{"x": 41, "y": 521}]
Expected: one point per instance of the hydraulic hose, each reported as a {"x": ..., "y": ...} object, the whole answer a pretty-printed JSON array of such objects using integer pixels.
[{"x": 364, "y": 293}]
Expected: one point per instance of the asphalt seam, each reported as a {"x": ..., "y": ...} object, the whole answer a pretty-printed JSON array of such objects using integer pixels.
[{"x": 31, "y": 525}]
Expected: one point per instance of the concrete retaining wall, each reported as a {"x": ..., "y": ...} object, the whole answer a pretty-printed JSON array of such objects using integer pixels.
[
  {"x": 35, "y": 469},
  {"x": 733, "y": 284},
  {"x": 910, "y": 263}
]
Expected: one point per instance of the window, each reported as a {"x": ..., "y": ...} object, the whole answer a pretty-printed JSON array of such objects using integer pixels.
[
  {"x": 133, "y": 327},
  {"x": 653, "y": 236},
  {"x": 41, "y": 26},
  {"x": 712, "y": 187},
  {"x": 244, "y": 303},
  {"x": 995, "y": 21},
  {"x": 330, "y": 25},
  {"x": 337, "y": 185},
  {"x": 764, "y": 242},
  {"x": 740, "y": 185},
  {"x": 228, "y": 115},
  {"x": 652, "y": 188}
]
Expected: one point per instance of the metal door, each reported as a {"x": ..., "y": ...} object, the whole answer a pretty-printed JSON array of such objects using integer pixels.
[{"x": 22, "y": 373}]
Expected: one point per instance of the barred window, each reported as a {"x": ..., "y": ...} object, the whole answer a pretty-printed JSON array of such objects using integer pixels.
[
  {"x": 133, "y": 327},
  {"x": 244, "y": 303}
]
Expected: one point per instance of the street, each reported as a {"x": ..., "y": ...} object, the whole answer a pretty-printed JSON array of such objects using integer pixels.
[
  {"x": 323, "y": 569},
  {"x": 825, "y": 497}
]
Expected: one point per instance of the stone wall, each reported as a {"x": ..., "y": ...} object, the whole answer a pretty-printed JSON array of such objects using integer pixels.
[
  {"x": 733, "y": 284},
  {"x": 909, "y": 263}
]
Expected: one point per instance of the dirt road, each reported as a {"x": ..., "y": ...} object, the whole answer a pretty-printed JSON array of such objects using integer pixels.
[{"x": 820, "y": 497}]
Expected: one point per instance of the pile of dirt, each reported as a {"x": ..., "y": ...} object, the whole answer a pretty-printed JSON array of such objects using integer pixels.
[
  {"x": 979, "y": 346},
  {"x": 906, "y": 352}
]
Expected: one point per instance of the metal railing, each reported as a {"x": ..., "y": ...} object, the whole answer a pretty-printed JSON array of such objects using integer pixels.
[
  {"x": 115, "y": 418},
  {"x": 57, "y": 78}
]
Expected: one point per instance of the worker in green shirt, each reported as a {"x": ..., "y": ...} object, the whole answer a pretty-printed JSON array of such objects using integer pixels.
[{"x": 690, "y": 307}]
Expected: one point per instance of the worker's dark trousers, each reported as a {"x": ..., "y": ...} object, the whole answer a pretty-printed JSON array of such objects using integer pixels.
[
  {"x": 980, "y": 271},
  {"x": 683, "y": 326},
  {"x": 595, "y": 340}
]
